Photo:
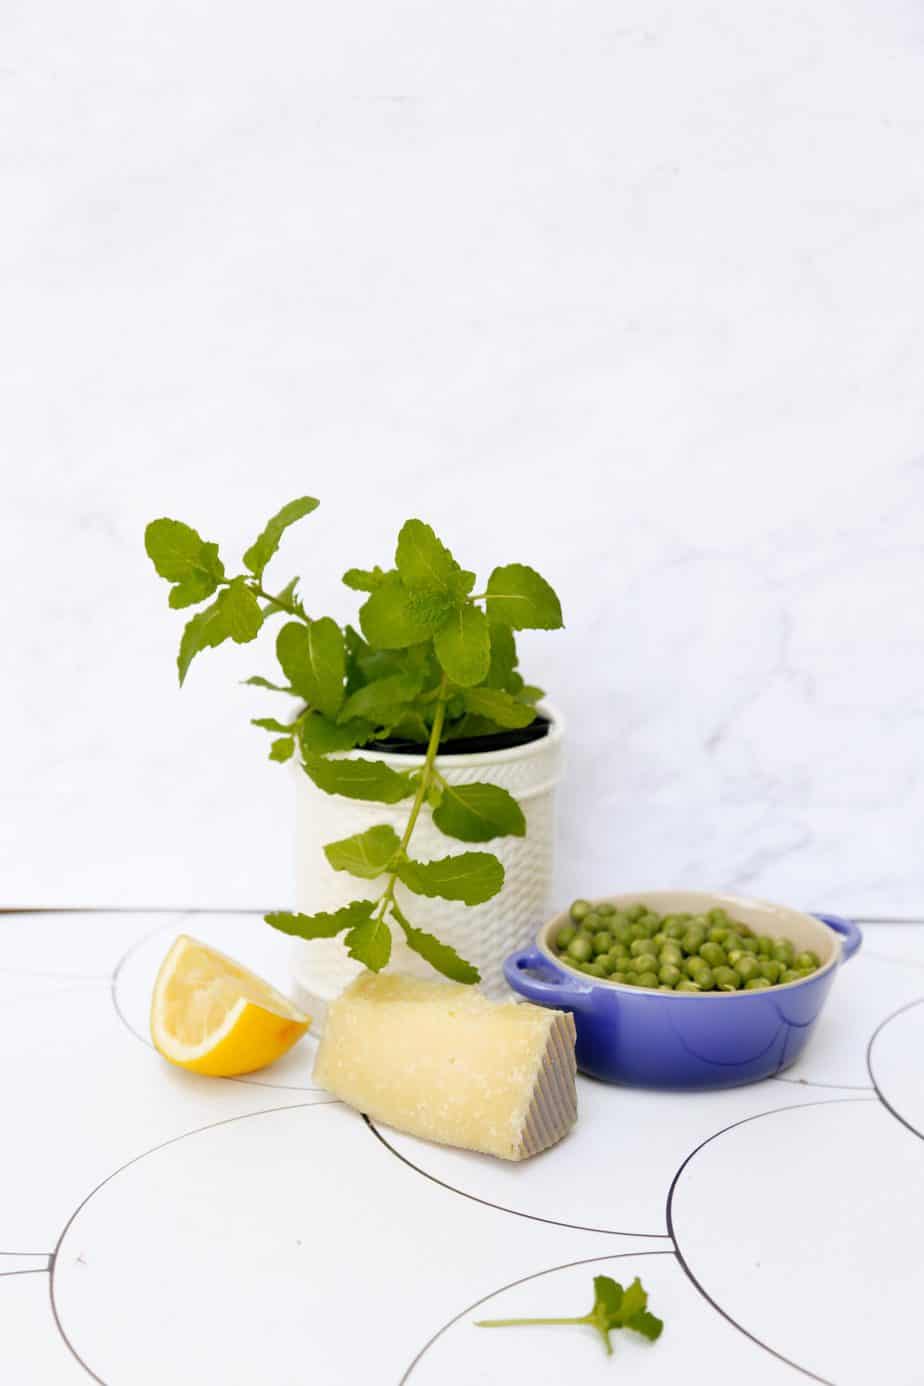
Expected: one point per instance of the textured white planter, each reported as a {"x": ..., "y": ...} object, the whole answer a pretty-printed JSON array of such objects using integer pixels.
[{"x": 483, "y": 934}]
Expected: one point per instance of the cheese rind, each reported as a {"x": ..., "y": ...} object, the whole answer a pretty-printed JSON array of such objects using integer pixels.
[{"x": 441, "y": 1061}]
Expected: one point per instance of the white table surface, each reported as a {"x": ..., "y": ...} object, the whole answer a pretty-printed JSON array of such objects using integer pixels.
[{"x": 193, "y": 1230}]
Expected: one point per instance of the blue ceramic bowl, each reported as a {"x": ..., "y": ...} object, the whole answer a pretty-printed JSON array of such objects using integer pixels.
[{"x": 660, "y": 1039}]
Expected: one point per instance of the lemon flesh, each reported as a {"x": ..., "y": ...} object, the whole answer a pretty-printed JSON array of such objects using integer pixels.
[{"x": 211, "y": 1015}]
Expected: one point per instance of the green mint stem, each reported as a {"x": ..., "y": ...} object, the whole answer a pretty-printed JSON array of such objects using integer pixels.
[
  {"x": 426, "y": 776},
  {"x": 513, "y": 1323},
  {"x": 279, "y": 603}
]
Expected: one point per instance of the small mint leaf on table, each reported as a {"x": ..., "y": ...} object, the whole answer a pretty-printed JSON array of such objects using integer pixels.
[
  {"x": 263, "y": 548},
  {"x": 370, "y": 943},
  {"x": 358, "y": 779},
  {"x": 649, "y": 1325},
  {"x": 472, "y": 877},
  {"x": 521, "y": 598},
  {"x": 364, "y": 854},
  {"x": 382, "y": 695},
  {"x": 478, "y": 812},
  {"x": 282, "y": 749},
  {"x": 322, "y": 925},
  {"x": 463, "y": 646},
  {"x": 313, "y": 660},
  {"x": 440, "y": 956},
  {"x": 391, "y": 619},
  {"x": 206, "y": 630},
  {"x": 362, "y": 579},
  {"x": 499, "y": 706},
  {"x": 609, "y": 1312}
]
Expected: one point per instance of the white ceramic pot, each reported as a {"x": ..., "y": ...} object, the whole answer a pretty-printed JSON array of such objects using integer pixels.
[{"x": 483, "y": 934}]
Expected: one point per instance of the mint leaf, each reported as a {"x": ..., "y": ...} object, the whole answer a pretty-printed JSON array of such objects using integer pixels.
[
  {"x": 649, "y": 1325},
  {"x": 207, "y": 629},
  {"x": 282, "y": 749},
  {"x": 370, "y": 943},
  {"x": 633, "y": 1300},
  {"x": 501, "y": 707},
  {"x": 463, "y": 646},
  {"x": 270, "y": 724},
  {"x": 478, "y": 812},
  {"x": 313, "y": 660},
  {"x": 391, "y": 621},
  {"x": 521, "y": 598},
  {"x": 365, "y": 854},
  {"x": 427, "y": 565},
  {"x": 503, "y": 657},
  {"x": 382, "y": 696},
  {"x": 471, "y": 877},
  {"x": 240, "y": 611},
  {"x": 258, "y": 681},
  {"x": 529, "y": 693},
  {"x": 263, "y": 548},
  {"x": 182, "y": 556},
  {"x": 358, "y": 779},
  {"x": 321, "y": 925},
  {"x": 363, "y": 580},
  {"x": 195, "y": 587},
  {"x": 320, "y": 735},
  {"x": 439, "y": 955}
]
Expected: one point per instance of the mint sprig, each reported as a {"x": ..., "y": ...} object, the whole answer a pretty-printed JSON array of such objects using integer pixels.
[
  {"x": 613, "y": 1308},
  {"x": 432, "y": 663}
]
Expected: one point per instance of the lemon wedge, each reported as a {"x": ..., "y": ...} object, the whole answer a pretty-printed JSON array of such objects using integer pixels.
[{"x": 211, "y": 1015}]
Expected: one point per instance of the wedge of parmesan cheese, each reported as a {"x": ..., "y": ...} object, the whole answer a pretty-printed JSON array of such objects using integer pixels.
[{"x": 441, "y": 1061}]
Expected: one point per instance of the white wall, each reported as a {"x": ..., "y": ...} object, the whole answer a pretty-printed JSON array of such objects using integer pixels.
[{"x": 632, "y": 292}]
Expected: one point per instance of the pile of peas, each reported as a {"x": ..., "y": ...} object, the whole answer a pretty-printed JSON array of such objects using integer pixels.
[{"x": 676, "y": 952}]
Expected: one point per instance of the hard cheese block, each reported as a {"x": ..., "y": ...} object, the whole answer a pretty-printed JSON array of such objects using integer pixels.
[{"x": 440, "y": 1060}]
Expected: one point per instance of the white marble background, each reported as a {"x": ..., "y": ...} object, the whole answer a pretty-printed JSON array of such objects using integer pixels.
[{"x": 633, "y": 292}]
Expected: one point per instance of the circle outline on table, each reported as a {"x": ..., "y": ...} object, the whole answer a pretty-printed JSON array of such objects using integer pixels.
[{"x": 893, "y": 1111}]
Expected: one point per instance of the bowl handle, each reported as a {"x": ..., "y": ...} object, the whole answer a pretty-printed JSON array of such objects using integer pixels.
[
  {"x": 849, "y": 932},
  {"x": 556, "y": 992}
]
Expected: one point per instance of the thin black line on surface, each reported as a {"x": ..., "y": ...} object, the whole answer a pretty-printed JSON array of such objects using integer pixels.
[
  {"x": 113, "y": 980},
  {"x": 36, "y": 1270},
  {"x": 500, "y": 1207},
  {"x": 813, "y": 1083},
  {"x": 210, "y": 1126},
  {"x": 536, "y": 1275},
  {"x": 759, "y": 1116},
  {"x": 25, "y": 1253},
  {"x": 909, "y": 1005}
]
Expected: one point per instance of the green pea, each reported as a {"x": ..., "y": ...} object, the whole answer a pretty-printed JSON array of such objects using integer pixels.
[
  {"x": 665, "y": 987},
  {"x": 619, "y": 950},
  {"x": 619, "y": 977},
  {"x": 705, "y": 979},
  {"x": 692, "y": 940},
  {"x": 789, "y": 974},
  {"x": 647, "y": 979},
  {"x": 695, "y": 965},
  {"x": 635, "y": 912},
  {"x": 669, "y": 974},
  {"x": 735, "y": 955},
  {"x": 595, "y": 969},
  {"x": 636, "y": 931},
  {"x": 765, "y": 945},
  {"x": 621, "y": 932},
  {"x": 603, "y": 942},
  {"x": 605, "y": 908},
  {"x": 629, "y": 979},
  {"x": 608, "y": 964},
  {"x": 806, "y": 962},
  {"x": 744, "y": 930},
  {"x": 687, "y": 986},
  {"x": 592, "y": 921},
  {"x": 713, "y": 953},
  {"x": 770, "y": 969},
  {"x": 746, "y": 968},
  {"x": 757, "y": 984},
  {"x": 726, "y": 979},
  {"x": 580, "y": 910},
  {"x": 676, "y": 928},
  {"x": 659, "y": 939},
  {"x": 650, "y": 921},
  {"x": 749, "y": 945},
  {"x": 670, "y": 953},
  {"x": 564, "y": 936},
  {"x": 646, "y": 962},
  {"x": 717, "y": 916},
  {"x": 718, "y": 933},
  {"x": 638, "y": 946},
  {"x": 783, "y": 952},
  {"x": 618, "y": 920},
  {"x": 580, "y": 949}
]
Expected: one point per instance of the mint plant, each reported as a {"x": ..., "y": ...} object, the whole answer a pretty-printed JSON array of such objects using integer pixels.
[
  {"x": 433, "y": 663},
  {"x": 613, "y": 1308}
]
